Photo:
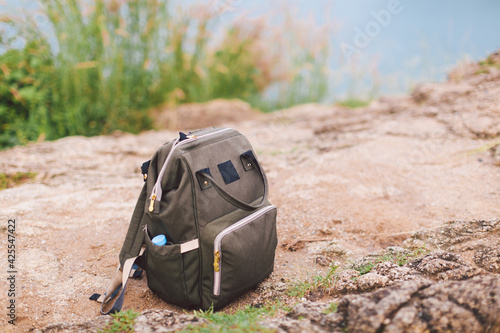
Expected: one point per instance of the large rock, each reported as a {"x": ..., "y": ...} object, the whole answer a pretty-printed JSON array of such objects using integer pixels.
[
  {"x": 444, "y": 266},
  {"x": 148, "y": 321},
  {"x": 437, "y": 266},
  {"x": 456, "y": 232},
  {"x": 488, "y": 257},
  {"x": 200, "y": 115},
  {"x": 412, "y": 306}
]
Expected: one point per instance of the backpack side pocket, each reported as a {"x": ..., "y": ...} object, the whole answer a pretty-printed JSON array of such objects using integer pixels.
[{"x": 171, "y": 274}]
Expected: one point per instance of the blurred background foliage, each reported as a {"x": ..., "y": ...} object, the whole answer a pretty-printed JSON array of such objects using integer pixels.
[{"x": 106, "y": 63}]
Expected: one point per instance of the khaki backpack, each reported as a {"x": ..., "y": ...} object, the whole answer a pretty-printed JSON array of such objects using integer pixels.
[{"x": 207, "y": 193}]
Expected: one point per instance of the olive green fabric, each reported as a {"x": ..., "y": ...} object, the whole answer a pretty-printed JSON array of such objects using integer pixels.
[
  {"x": 247, "y": 255},
  {"x": 193, "y": 207}
]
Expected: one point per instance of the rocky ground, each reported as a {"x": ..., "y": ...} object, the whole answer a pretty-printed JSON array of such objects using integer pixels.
[{"x": 405, "y": 191}]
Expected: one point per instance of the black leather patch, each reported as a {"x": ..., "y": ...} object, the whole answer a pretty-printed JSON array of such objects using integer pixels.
[
  {"x": 206, "y": 170},
  {"x": 144, "y": 169},
  {"x": 204, "y": 183},
  {"x": 247, "y": 159},
  {"x": 228, "y": 172}
]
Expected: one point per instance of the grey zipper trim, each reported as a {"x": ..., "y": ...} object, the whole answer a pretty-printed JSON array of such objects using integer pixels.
[
  {"x": 157, "y": 191},
  {"x": 218, "y": 242}
]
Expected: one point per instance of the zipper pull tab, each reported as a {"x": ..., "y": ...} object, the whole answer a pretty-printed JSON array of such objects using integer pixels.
[
  {"x": 216, "y": 260},
  {"x": 152, "y": 203}
]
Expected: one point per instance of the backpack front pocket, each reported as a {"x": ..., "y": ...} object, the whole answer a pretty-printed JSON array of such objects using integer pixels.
[{"x": 242, "y": 254}]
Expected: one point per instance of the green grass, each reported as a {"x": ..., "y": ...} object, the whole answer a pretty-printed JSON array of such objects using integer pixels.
[
  {"x": 399, "y": 259},
  {"x": 122, "y": 322},
  {"x": 109, "y": 62},
  {"x": 320, "y": 282},
  {"x": 15, "y": 179},
  {"x": 490, "y": 61},
  {"x": 482, "y": 71},
  {"x": 365, "y": 268},
  {"x": 353, "y": 103},
  {"x": 486, "y": 64},
  {"x": 300, "y": 288},
  {"x": 242, "y": 320},
  {"x": 332, "y": 308}
]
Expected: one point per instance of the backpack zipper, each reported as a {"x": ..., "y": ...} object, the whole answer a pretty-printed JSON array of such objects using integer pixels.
[
  {"x": 157, "y": 192},
  {"x": 218, "y": 243}
]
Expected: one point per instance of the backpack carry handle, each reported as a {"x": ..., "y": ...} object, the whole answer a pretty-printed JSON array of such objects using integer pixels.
[{"x": 230, "y": 198}]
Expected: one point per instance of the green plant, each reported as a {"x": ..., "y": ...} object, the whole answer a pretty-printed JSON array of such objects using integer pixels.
[
  {"x": 365, "y": 268},
  {"x": 122, "y": 322},
  {"x": 104, "y": 78},
  {"x": 482, "y": 71},
  {"x": 301, "y": 51},
  {"x": 319, "y": 282},
  {"x": 242, "y": 320},
  {"x": 353, "y": 103},
  {"x": 485, "y": 65},
  {"x": 25, "y": 94},
  {"x": 94, "y": 83},
  {"x": 11, "y": 180},
  {"x": 398, "y": 258},
  {"x": 301, "y": 288},
  {"x": 490, "y": 61},
  {"x": 332, "y": 308},
  {"x": 109, "y": 62}
]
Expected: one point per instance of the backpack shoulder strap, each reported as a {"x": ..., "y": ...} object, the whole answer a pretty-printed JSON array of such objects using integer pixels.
[
  {"x": 131, "y": 251},
  {"x": 135, "y": 236},
  {"x": 117, "y": 287}
]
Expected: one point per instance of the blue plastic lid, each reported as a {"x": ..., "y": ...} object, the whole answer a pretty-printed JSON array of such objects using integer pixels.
[{"x": 159, "y": 240}]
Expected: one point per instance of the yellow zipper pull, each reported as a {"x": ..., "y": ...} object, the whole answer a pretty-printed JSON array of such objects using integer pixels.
[
  {"x": 216, "y": 261},
  {"x": 152, "y": 203}
]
